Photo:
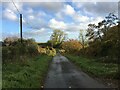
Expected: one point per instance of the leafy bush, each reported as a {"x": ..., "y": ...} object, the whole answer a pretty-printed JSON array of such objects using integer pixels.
[
  {"x": 47, "y": 50},
  {"x": 19, "y": 50},
  {"x": 71, "y": 46},
  {"x": 107, "y": 48}
]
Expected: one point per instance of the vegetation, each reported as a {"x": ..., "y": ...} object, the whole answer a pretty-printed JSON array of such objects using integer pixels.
[
  {"x": 15, "y": 50},
  {"x": 47, "y": 50},
  {"x": 71, "y": 46},
  {"x": 57, "y": 38},
  {"x": 82, "y": 38},
  {"x": 24, "y": 66},
  {"x": 103, "y": 40},
  {"x": 95, "y": 68},
  {"x": 29, "y": 74},
  {"x": 100, "y": 41},
  {"x": 97, "y": 50}
]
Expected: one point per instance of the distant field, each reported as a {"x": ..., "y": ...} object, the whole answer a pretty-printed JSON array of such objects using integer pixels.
[
  {"x": 29, "y": 74},
  {"x": 97, "y": 69}
]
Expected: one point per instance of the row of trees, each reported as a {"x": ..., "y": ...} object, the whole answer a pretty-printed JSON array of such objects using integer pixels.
[
  {"x": 103, "y": 39},
  {"x": 99, "y": 40},
  {"x": 99, "y": 31}
]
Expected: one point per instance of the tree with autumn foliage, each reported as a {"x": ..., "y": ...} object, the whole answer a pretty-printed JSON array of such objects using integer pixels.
[
  {"x": 57, "y": 37},
  {"x": 71, "y": 46},
  {"x": 103, "y": 38}
]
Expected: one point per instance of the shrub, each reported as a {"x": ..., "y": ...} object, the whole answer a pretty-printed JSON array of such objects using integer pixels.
[
  {"x": 47, "y": 50},
  {"x": 71, "y": 46},
  {"x": 19, "y": 50}
]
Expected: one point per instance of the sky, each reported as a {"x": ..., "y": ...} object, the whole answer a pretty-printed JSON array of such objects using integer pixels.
[{"x": 40, "y": 19}]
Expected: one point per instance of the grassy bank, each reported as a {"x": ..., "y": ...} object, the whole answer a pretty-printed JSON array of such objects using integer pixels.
[
  {"x": 29, "y": 74},
  {"x": 97, "y": 69}
]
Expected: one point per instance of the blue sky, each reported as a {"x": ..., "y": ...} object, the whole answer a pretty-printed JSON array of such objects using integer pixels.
[{"x": 41, "y": 18}]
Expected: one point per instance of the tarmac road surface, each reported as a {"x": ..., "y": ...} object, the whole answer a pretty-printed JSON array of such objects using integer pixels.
[{"x": 63, "y": 74}]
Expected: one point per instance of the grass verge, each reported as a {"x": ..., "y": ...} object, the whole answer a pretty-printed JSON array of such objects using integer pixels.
[
  {"x": 97, "y": 69},
  {"x": 29, "y": 74}
]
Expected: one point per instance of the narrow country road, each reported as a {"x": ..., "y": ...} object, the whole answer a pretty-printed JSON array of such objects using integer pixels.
[{"x": 63, "y": 74}]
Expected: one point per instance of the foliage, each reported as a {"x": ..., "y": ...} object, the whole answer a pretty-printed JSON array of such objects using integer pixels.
[
  {"x": 71, "y": 46},
  {"x": 107, "y": 47},
  {"x": 103, "y": 39},
  {"x": 57, "y": 38},
  {"x": 47, "y": 50},
  {"x": 82, "y": 38},
  {"x": 99, "y": 31},
  {"x": 92, "y": 67},
  {"x": 18, "y": 51},
  {"x": 31, "y": 74}
]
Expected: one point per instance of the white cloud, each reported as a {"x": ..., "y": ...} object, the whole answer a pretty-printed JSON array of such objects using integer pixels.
[
  {"x": 31, "y": 17},
  {"x": 13, "y": 8},
  {"x": 73, "y": 27},
  {"x": 67, "y": 27},
  {"x": 30, "y": 10},
  {"x": 40, "y": 33},
  {"x": 42, "y": 14},
  {"x": 10, "y": 34},
  {"x": 69, "y": 10},
  {"x": 97, "y": 8},
  {"x": 41, "y": 21},
  {"x": 49, "y": 6},
  {"x": 59, "y": 16},
  {"x": 80, "y": 18},
  {"x": 54, "y": 24},
  {"x": 36, "y": 20},
  {"x": 9, "y": 14},
  {"x": 96, "y": 20},
  {"x": 23, "y": 20}
]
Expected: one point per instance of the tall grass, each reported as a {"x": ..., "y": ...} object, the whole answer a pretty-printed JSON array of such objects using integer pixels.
[
  {"x": 91, "y": 66},
  {"x": 30, "y": 74}
]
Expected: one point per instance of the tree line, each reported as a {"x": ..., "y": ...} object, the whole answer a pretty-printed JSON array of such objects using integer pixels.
[{"x": 99, "y": 40}]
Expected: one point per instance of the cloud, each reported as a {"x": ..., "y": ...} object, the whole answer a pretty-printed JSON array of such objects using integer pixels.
[
  {"x": 59, "y": 16},
  {"x": 34, "y": 32},
  {"x": 98, "y": 8},
  {"x": 10, "y": 6},
  {"x": 10, "y": 34},
  {"x": 29, "y": 10},
  {"x": 42, "y": 34},
  {"x": 10, "y": 15},
  {"x": 42, "y": 14},
  {"x": 54, "y": 24},
  {"x": 10, "y": 12},
  {"x": 96, "y": 20},
  {"x": 69, "y": 10},
  {"x": 80, "y": 18},
  {"x": 48, "y": 6},
  {"x": 36, "y": 20},
  {"x": 45, "y": 16},
  {"x": 73, "y": 27},
  {"x": 31, "y": 17},
  {"x": 67, "y": 27}
]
